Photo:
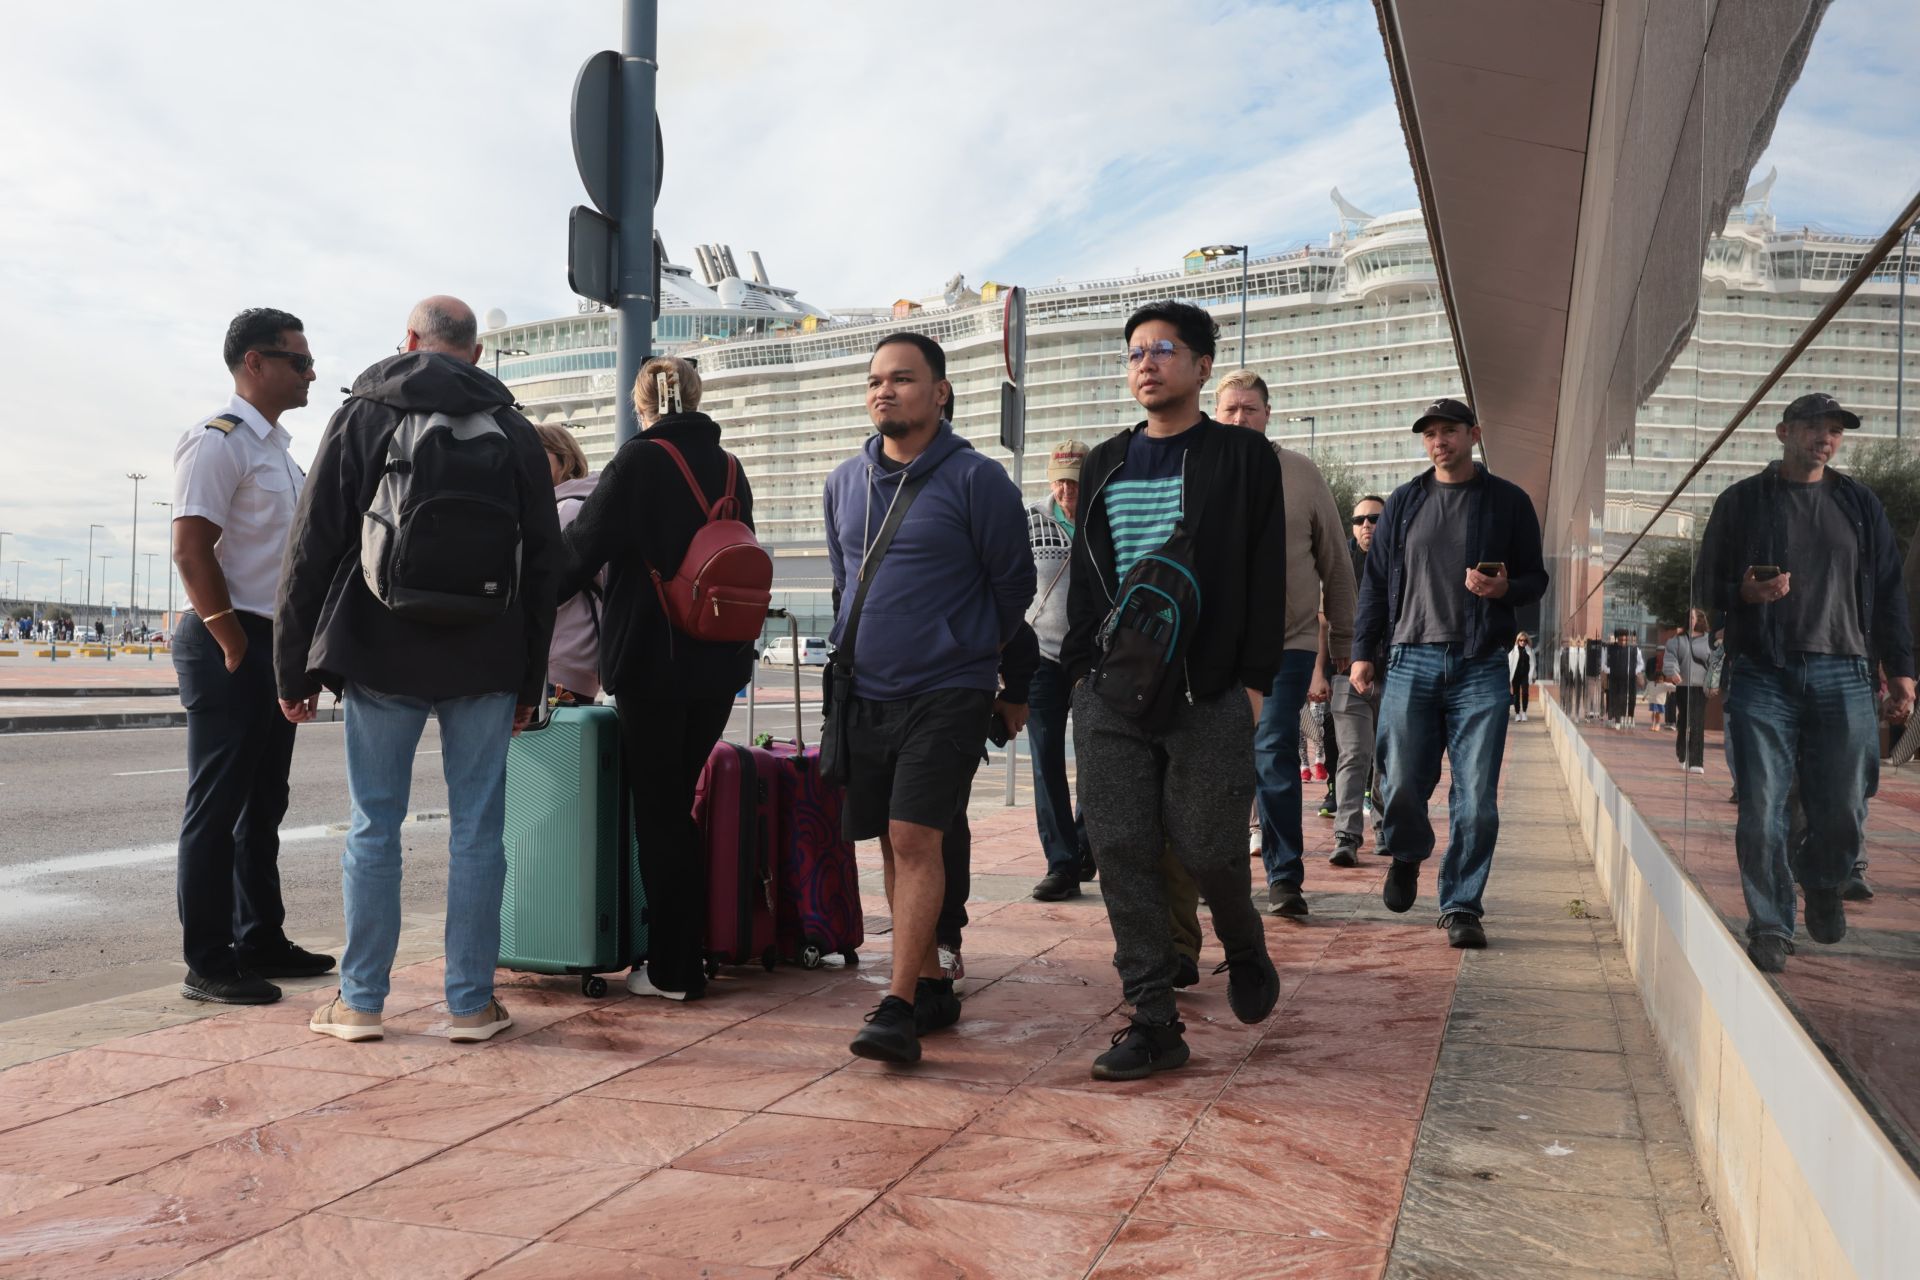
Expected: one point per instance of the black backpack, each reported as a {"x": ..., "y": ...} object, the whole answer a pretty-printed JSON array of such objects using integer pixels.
[
  {"x": 440, "y": 541},
  {"x": 1145, "y": 639}
]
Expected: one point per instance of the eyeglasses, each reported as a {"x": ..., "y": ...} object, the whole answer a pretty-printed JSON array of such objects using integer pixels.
[
  {"x": 300, "y": 361},
  {"x": 1154, "y": 351},
  {"x": 1372, "y": 519}
]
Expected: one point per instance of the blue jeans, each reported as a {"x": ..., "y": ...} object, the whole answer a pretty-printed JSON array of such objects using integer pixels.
[
  {"x": 1436, "y": 700},
  {"x": 1813, "y": 717},
  {"x": 382, "y": 732},
  {"x": 1063, "y": 831},
  {"x": 1276, "y": 768}
]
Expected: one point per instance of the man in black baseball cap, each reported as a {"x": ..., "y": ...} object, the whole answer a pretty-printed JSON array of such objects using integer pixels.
[
  {"x": 1447, "y": 410},
  {"x": 1802, "y": 562}
]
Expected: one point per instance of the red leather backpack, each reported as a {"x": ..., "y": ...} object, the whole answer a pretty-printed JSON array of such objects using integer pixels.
[{"x": 723, "y": 586}]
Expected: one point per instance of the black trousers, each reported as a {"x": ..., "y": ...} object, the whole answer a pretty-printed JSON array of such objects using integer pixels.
[
  {"x": 1690, "y": 730},
  {"x": 664, "y": 743},
  {"x": 1520, "y": 688},
  {"x": 239, "y": 749}
]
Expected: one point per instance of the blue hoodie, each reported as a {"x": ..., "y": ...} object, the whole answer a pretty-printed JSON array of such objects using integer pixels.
[{"x": 956, "y": 583}]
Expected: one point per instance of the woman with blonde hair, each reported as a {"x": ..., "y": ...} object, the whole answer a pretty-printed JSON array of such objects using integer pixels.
[
  {"x": 674, "y": 693},
  {"x": 573, "y": 662}
]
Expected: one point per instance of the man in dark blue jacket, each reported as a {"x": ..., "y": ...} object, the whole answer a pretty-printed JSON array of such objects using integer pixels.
[
  {"x": 951, "y": 591},
  {"x": 1805, "y": 656},
  {"x": 1456, "y": 553}
]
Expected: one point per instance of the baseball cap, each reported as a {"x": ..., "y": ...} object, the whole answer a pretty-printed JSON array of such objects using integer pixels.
[
  {"x": 1818, "y": 404},
  {"x": 1064, "y": 462},
  {"x": 1450, "y": 410}
]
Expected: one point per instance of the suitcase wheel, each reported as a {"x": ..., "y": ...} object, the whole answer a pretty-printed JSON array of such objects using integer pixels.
[
  {"x": 593, "y": 985},
  {"x": 770, "y": 958},
  {"x": 810, "y": 957},
  {"x": 852, "y": 958}
]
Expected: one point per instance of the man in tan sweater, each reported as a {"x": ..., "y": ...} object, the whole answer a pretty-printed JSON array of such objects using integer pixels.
[{"x": 1319, "y": 582}]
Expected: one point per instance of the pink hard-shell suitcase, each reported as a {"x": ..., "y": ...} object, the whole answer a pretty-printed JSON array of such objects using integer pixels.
[{"x": 737, "y": 809}]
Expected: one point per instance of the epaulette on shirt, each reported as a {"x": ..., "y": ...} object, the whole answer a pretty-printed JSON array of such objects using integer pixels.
[{"x": 223, "y": 424}]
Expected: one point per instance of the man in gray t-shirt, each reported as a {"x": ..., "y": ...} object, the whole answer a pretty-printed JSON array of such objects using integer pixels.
[
  {"x": 1435, "y": 608},
  {"x": 1821, "y": 614}
]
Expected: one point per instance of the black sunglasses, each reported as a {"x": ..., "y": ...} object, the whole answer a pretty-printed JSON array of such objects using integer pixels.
[
  {"x": 1372, "y": 519},
  {"x": 300, "y": 361}
]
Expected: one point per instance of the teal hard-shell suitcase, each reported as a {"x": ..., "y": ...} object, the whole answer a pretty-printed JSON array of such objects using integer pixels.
[{"x": 573, "y": 901}]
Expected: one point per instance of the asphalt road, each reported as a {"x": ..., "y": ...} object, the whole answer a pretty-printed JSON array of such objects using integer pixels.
[{"x": 88, "y": 823}]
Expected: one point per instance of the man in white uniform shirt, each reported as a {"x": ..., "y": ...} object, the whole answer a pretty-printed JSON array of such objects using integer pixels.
[{"x": 235, "y": 486}]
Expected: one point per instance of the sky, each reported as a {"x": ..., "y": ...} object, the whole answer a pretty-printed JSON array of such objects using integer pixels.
[{"x": 168, "y": 165}]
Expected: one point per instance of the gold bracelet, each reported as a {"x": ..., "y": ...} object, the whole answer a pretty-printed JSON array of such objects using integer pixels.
[{"x": 215, "y": 617}]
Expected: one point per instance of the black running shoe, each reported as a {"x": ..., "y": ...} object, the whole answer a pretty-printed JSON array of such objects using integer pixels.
[
  {"x": 888, "y": 1035},
  {"x": 1463, "y": 930},
  {"x": 1826, "y": 917},
  {"x": 1089, "y": 869},
  {"x": 935, "y": 1006},
  {"x": 242, "y": 989},
  {"x": 1142, "y": 1048},
  {"x": 1253, "y": 985},
  {"x": 1856, "y": 888},
  {"x": 1403, "y": 885},
  {"x": 1769, "y": 952},
  {"x": 1057, "y": 886},
  {"x": 288, "y": 962},
  {"x": 1345, "y": 854},
  {"x": 1286, "y": 900}
]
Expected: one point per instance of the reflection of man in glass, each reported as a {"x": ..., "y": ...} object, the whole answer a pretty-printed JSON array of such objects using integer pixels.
[
  {"x": 1456, "y": 552},
  {"x": 1687, "y": 658},
  {"x": 1803, "y": 562}
]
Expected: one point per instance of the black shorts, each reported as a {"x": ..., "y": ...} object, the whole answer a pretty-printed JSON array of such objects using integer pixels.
[{"x": 913, "y": 759}]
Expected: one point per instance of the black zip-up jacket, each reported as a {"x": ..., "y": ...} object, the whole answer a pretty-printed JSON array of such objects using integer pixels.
[
  {"x": 642, "y": 513},
  {"x": 1359, "y": 558},
  {"x": 329, "y": 630},
  {"x": 1503, "y": 527},
  {"x": 1237, "y": 516},
  {"x": 1749, "y": 527}
]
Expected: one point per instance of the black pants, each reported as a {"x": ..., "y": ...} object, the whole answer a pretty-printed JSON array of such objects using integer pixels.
[
  {"x": 1690, "y": 730},
  {"x": 956, "y": 856},
  {"x": 664, "y": 743},
  {"x": 1520, "y": 687},
  {"x": 239, "y": 749}
]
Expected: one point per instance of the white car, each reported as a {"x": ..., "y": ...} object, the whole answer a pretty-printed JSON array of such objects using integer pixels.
[{"x": 780, "y": 653}]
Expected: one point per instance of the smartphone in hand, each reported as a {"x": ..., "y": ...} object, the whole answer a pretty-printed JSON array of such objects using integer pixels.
[
  {"x": 1764, "y": 572},
  {"x": 1491, "y": 568}
]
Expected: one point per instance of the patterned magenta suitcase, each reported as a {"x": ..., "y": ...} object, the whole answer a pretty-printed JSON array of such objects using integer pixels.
[
  {"x": 818, "y": 905},
  {"x": 737, "y": 809}
]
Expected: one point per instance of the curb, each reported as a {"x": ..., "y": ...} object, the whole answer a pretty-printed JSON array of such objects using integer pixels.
[
  {"x": 71, "y": 691},
  {"x": 118, "y": 720}
]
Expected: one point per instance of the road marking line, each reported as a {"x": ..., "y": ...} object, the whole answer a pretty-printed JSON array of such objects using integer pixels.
[{"x": 143, "y": 773}]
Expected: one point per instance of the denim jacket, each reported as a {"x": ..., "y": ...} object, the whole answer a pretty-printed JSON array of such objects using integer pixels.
[
  {"x": 1749, "y": 527},
  {"x": 1504, "y": 528}
]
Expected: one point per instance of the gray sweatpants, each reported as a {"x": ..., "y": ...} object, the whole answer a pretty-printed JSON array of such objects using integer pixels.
[
  {"x": 1355, "y": 718},
  {"x": 1187, "y": 789}
]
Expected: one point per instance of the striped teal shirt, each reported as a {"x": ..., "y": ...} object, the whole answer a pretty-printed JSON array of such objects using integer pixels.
[{"x": 1144, "y": 499}]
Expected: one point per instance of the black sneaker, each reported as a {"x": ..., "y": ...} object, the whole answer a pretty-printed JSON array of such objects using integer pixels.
[
  {"x": 289, "y": 962},
  {"x": 1186, "y": 972},
  {"x": 1329, "y": 806},
  {"x": 1344, "y": 854},
  {"x": 1856, "y": 888},
  {"x": 1826, "y": 918},
  {"x": 1463, "y": 930},
  {"x": 1769, "y": 952},
  {"x": 1403, "y": 885},
  {"x": 1088, "y": 868},
  {"x": 1056, "y": 886},
  {"x": 888, "y": 1035},
  {"x": 1253, "y": 986},
  {"x": 935, "y": 1005},
  {"x": 1285, "y": 900},
  {"x": 1142, "y": 1048},
  {"x": 242, "y": 989}
]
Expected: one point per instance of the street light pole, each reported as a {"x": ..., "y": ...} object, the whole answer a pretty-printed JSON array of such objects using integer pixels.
[
  {"x": 1900, "y": 357},
  {"x": 1312, "y": 428},
  {"x": 498, "y": 352},
  {"x": 1212, "y": 251},
  {"x": 133, "y": 548},
  {"x": 169, "y": 507},
  {"x": 86, "y": 601}
]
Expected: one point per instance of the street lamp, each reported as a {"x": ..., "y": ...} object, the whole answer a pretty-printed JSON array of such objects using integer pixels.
[
  {"x": 1311, "y": 428},
  {"x": 86, "y": 601},
  {"x": 1212, "y": 251},
  {"x": 106, "y": 556},
  {"x": 133, "y": 548},
  {"x": 170, "y": 624},
  {"x": 506, "y": 351}
]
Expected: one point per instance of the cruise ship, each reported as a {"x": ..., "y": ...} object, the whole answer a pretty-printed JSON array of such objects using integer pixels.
[{"x": 1350, "y": 335}]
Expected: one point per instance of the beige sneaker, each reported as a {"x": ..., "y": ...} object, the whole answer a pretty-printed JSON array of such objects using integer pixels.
[
  {"x": 335, "y": 1019},
  {"x": 472, "y": 1028}
]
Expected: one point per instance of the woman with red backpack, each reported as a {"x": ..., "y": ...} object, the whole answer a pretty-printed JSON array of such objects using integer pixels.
[{"x": 673, "y": 689}]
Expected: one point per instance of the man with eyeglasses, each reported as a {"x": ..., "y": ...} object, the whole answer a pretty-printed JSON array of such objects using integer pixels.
[
  {"x": 235, "y": 487},
  {"x": 1356, "y": 715},
  {"x": 1456, "y": 553},
  {"x": 1188, "y": 782}
]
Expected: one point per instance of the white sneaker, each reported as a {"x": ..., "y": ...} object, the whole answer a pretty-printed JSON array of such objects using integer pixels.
[
  {"x": 1696, "y": 768},
  {"x": 638, "y": 984},
  {"x": 1253, "y": 843}
]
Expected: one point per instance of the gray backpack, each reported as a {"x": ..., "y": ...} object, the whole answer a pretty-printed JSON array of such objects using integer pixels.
[{"x": 440, "y": 542}]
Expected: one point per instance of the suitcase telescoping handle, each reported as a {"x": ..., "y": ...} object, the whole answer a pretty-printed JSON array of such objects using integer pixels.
[{"x": 793, "y": 630}]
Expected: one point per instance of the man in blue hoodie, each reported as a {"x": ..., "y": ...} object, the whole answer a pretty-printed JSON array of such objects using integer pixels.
[{"x": 951, "y": 589}]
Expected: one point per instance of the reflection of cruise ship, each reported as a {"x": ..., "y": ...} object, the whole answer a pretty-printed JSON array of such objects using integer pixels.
[
  {"x": 1350, "y": 335},
  {"x": 1761, "y": 285}
]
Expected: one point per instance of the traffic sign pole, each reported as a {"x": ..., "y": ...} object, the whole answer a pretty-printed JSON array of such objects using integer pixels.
[{"x": 639, "y": 67}]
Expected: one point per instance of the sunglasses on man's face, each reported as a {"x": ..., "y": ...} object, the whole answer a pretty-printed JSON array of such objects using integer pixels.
[
  {"x": 1372, "y": 519},
  {"x": 300, "y": 361}
]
